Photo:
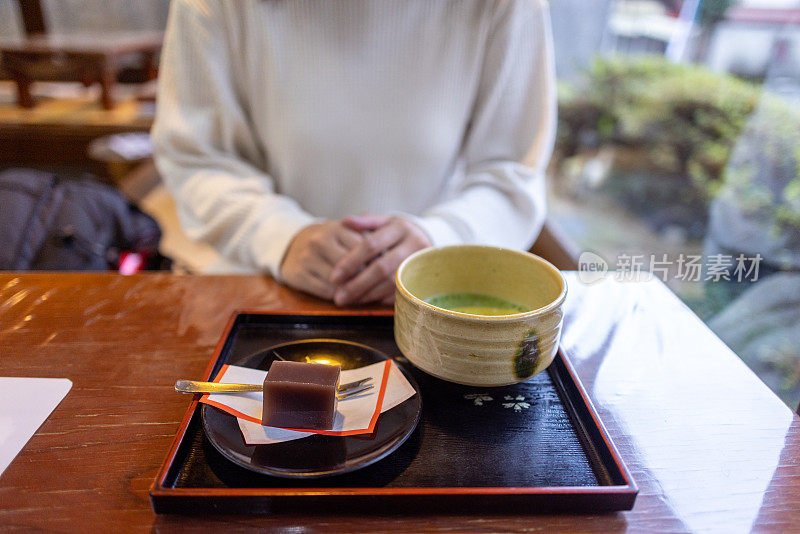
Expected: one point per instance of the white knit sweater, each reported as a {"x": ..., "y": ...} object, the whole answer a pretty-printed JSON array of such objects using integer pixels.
[{"x": 273, "y": 114}]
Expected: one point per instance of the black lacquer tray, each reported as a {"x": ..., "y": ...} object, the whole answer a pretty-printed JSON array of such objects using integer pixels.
[{"x": 531, "y": 447}]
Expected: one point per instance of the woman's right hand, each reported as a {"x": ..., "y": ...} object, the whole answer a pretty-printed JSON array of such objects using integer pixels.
[
  {"x": 366, "y": 274},
  {"x": 312, "y": 254}
]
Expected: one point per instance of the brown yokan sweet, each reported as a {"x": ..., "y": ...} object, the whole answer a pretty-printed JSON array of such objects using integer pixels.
[{"x": 300, "y": 395}]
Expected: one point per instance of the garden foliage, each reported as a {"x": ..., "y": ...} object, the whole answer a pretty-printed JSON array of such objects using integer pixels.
[{"x": 688, "y": 122}]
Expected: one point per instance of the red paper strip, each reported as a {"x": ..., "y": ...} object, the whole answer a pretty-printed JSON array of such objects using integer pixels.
[{"x": 369, "y": 429}]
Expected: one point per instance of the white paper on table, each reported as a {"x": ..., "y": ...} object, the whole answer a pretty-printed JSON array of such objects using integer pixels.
[
  {"x": 25, "y": 403},
  {"x": 355, "y": 415}
]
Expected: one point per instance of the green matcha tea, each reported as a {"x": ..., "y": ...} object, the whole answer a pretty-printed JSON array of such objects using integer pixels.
[{"x": 475, "y": 303}]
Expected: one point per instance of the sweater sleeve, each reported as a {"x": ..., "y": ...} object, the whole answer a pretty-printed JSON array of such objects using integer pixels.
[
  {"x": 500, "y": 198},
  {"x": 206, "y": 150}
]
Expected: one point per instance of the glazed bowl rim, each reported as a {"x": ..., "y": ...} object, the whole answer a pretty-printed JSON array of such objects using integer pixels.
[{"x": 557, "y": 302}]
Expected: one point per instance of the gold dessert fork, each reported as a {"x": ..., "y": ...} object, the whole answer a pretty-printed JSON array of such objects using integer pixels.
[{"x": 193, "y": 386}]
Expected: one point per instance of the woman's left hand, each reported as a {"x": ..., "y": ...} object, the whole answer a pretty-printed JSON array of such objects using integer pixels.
[{"x": 366, "y": 273}]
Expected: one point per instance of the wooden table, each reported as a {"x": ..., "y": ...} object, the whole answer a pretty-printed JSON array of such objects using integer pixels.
[
  {"x": 86, "y": 58},
  {"x": 711, "y": 448}
]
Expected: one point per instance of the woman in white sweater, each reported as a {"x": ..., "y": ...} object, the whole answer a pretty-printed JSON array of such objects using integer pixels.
[{"x": 324, "y": 141}]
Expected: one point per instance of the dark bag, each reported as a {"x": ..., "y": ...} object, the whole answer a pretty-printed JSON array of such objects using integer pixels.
[{"x": 52, "y": 223}]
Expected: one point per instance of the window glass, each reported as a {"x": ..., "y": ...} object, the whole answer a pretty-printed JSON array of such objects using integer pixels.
[
  {"x": 678, "y": 153},
  {"x": 106, "y": 16},
  {"x": 10, "y": 22}
]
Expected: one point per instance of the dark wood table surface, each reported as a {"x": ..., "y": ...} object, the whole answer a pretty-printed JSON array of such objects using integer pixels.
[
  {"x": 81, "y": 57},
  {"x": 711, "y": 448}
]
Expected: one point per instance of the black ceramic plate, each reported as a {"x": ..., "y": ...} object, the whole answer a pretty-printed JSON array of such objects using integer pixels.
[{"x": 315, "y": 456}]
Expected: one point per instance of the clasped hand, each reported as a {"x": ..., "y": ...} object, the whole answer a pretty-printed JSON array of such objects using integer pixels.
[{"x": 351, "y": 261}]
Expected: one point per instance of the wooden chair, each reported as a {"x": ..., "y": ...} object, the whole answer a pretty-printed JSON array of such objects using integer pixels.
[
  {"x": 556, "y": 248},
  {"x": 86, "y": 58}
]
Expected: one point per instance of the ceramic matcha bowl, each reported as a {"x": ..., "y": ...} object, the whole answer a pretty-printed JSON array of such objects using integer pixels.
[{"x": 472, "y": 349}]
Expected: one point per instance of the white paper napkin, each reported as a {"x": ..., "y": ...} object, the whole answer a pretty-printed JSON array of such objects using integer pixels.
[
  {"x": 356, "y": 415},
  {"x": 25, "y": 404}
]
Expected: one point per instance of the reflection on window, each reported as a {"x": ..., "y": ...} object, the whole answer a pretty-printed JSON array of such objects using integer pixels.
[{"x": 678, "y": 153}]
